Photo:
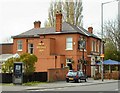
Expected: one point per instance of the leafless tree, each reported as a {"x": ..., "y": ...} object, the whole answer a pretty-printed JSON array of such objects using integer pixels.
[
  {"x": 112, "y": 32},
  {"x": 71, "y": 10}
]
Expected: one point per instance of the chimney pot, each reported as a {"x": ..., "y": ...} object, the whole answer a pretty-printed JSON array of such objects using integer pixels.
[
  {"x": 90, "y": 29},
  {"x": 37, "y": 24}
]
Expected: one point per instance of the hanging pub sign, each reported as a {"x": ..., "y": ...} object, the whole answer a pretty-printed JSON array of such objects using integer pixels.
[{"x": 81, "y": 43}]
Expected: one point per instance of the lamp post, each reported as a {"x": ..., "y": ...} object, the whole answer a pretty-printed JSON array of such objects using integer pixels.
[
  {"x": 102, "y": 45},
  {"x": 102, "y": 15},
  {"x": 82, "y": 46}
]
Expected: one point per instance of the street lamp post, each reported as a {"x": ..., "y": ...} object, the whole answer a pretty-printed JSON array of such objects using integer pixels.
[
  {"x": 102, "y": 15},
  {"x": 82, "y": 46},
  {"x": 102, "y": 32}
]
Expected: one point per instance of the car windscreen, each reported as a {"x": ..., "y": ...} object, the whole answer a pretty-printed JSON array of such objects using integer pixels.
[
  {"x": 72, "y": 73},
  {"x": 81, "y": 73}
]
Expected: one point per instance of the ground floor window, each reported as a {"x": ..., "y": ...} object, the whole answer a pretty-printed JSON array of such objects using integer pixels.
[
  {"x": 62, "y": 65},
  {"x": 69, "y": 63},
  {"x": 30, "y": 48}
]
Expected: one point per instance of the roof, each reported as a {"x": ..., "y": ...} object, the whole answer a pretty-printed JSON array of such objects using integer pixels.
[
  {"x": 6, "y": 43},
  {"x": 110, "y": 62},
  {"x": 4, "y": 57},
  {"x": 67, "y": 28}
]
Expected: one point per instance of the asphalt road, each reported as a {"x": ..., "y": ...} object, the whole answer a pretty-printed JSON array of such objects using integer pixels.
[
  {"x": 98, "y": 87},
  {"x": 61, "y": 86}
]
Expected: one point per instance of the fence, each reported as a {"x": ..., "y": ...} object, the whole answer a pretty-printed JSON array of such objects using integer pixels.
[
  {"x": 113, "y": 75},
  {"x": 36, "y": 76},
  {"x": 6, "y": 77},
  {"x": 107, "y": 75}
]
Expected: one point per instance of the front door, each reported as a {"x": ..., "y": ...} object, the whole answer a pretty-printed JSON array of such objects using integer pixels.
[{"x": 70, "y": 66}]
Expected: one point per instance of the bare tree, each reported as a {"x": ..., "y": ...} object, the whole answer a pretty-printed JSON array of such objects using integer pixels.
[
  {"x": 71, "y": 10},
  {"x": 112, "y": 32},
  {"x": 78, "y": 13},
  {"x": 54, "y": 7}
]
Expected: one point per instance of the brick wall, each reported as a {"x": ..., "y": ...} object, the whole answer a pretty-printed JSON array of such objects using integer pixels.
[
  {"x": 6, "y": 48},
  {"x": 54, "y": 46},
  {"x": 57, "y": 74},
  {"x": 114, "y": 75}
]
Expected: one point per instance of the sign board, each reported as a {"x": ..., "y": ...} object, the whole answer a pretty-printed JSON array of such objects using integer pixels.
[
  {"x": 41, "y": 46},
  {"x": 18, "y": 73},
  {"x": 102, "y": 55}
]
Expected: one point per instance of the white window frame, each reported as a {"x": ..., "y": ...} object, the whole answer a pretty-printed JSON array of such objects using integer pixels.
[
  {"x": 19, "y": 45},
  {"x": 68, "y": 61},
  {"x": 69, "y": 43},
  {"x": 98, "y": 47},
  {"x": 94, "y": 46},
  {"x": 29, "y": 48}
]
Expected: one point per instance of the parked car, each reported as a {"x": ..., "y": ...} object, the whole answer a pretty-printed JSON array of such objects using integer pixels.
[{"x": 76, "y": 76}]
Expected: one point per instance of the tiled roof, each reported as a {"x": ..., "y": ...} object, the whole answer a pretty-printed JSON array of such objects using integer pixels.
[{"x": 66, "y": 28}]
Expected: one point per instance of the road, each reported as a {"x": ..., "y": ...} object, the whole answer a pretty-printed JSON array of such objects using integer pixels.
[
  {"x": 99, "y": 87},
  {"x": 90, "y": 85}
]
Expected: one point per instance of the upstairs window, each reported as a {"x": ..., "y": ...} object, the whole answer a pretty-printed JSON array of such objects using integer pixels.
[
  {"x": 93, "y": 46},
  {"x": 98, "y": 47},
  {"x": 30, "y": 48},
  {"x": 19, "y": 45},
  {"x": 69, "y": 45}
]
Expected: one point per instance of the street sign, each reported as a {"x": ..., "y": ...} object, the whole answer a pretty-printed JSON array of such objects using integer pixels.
[{"x": 102, "y": 55}]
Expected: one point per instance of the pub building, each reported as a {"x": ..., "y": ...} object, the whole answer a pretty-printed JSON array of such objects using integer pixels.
[{"x": 64, "y": 45}]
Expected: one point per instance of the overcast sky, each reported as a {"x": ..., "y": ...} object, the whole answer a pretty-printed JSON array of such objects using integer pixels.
[{"x": 17, "y": 16}]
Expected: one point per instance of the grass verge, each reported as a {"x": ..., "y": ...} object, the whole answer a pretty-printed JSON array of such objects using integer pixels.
[
  {"x": 33, "y": 83},
  {"x": 24, "y": 84}
]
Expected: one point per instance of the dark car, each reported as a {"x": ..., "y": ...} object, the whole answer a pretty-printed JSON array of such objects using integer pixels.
[{"x": 76, "y": 76}]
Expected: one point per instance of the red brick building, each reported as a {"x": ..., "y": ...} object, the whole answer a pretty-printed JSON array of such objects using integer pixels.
[
  {"x": 6, "y": 48},
  {"x": 60, "y": 46}
]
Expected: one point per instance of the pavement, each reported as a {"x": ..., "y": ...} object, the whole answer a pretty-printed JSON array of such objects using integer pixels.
[{"x": 62, "y": 84}]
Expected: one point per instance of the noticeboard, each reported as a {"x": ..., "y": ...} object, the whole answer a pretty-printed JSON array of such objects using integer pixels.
[{"x": 18, "y": 73}]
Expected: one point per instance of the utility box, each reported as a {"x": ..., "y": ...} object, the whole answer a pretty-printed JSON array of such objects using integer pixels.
[{"x": 18, "y": 73}]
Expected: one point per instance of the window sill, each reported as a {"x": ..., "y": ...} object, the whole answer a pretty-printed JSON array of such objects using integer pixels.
[
  {"x": 19, "y": 50},
  {"x": 82, "y": 50},
  {"x": 68, "y": 49}
]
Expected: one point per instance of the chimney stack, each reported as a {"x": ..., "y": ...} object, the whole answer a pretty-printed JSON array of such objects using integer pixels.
[
  {"x": 90, "y": 29},
  {"x": 37, "y": 24},
  {"x": 58, "y": 21}
]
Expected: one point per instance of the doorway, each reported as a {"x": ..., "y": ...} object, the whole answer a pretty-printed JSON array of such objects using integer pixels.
[{"x": 70, "y": 66}]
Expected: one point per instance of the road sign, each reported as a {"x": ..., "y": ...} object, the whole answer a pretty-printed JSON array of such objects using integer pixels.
[{"x": 102, "y": 55}]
